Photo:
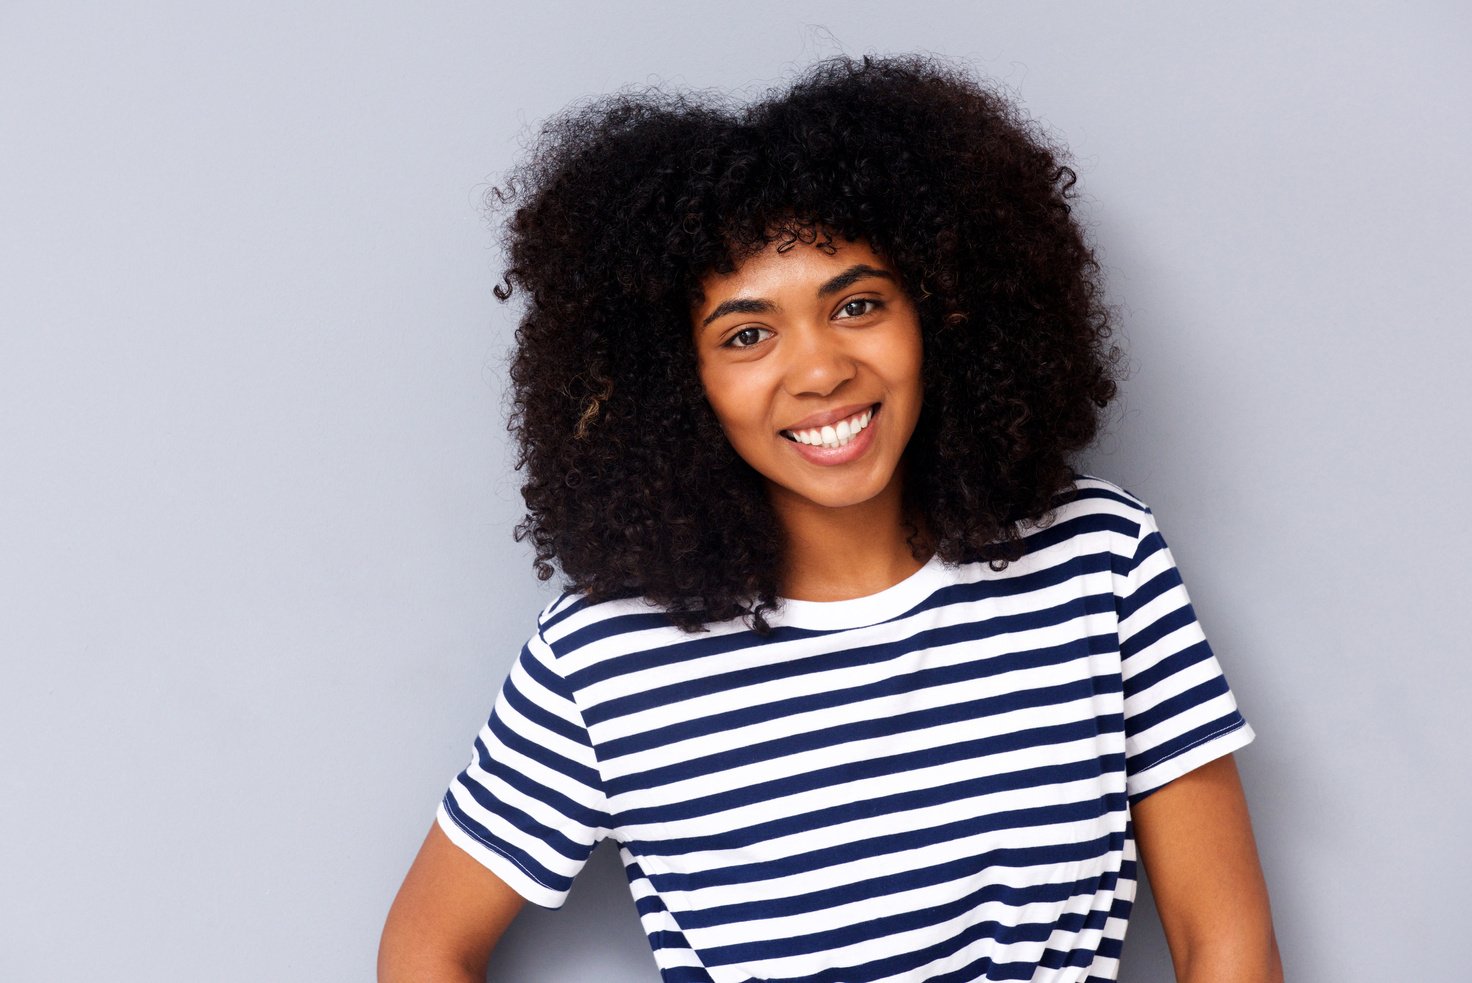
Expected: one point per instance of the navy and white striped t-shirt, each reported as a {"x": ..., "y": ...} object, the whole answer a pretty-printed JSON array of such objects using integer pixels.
[{"x": 932, "y": 783}]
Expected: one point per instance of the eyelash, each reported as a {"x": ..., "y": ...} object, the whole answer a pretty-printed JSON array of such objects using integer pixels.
[
  {"x": 731, "y": 342},
  {"x": 872, "y": 304}
]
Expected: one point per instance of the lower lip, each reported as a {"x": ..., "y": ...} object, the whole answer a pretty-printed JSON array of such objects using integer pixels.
[{"x": 830, "y": 456}]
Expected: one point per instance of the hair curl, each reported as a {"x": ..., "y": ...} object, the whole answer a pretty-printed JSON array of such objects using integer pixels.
[{"x": 624, "y": 204}]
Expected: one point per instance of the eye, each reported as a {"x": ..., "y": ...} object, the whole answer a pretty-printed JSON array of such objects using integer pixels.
[
  {"x": 860, "y": 306},
  {"x": 747, "y": 337}
]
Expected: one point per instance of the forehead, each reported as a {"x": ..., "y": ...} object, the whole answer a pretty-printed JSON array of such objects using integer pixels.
[{"x": 793, "y": 268}]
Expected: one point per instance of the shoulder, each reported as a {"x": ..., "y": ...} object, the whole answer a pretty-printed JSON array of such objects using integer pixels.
[
  {"x": 588, "y": 638},
  {"x": 1094, "y": 525},
  {"x": 1092, "y": 508},
  {"x": 1098, "y": 496}
]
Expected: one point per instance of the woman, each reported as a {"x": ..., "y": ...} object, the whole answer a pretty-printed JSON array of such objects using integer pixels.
[{"x": 866, "y": 682}]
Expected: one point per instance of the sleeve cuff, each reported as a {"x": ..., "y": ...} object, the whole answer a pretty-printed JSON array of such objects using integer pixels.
[
  {"x": 489, "y": 857},
  {"x": 1216, "y": 746}
]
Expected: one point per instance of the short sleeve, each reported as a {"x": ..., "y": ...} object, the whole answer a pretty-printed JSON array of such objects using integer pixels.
[
  {"x": 530, "y": 805},
  {"x": 1179, "y": 712}
]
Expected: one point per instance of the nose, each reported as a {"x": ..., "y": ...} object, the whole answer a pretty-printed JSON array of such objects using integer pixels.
[{"x": 817, "y": 363}]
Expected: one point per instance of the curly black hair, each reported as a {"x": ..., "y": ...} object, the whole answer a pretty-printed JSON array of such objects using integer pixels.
[{"x": 624, "y": 204}]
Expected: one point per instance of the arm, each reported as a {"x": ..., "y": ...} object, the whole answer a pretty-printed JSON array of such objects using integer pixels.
[
  {"x": 448, "y": 915},
  {"x": 1196, "y": 843}
]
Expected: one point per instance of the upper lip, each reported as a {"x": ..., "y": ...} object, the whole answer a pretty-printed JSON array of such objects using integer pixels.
[{"x": 829, "y": 417}]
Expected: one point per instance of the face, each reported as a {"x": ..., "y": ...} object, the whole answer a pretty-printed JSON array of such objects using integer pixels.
[{"x": 811, "y": 362}]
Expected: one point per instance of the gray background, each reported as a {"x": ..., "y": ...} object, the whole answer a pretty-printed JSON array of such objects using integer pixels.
[{"x": 257, "y": 588}]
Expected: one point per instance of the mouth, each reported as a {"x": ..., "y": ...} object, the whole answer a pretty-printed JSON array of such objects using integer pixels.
[{"x": 836, "y": 434}]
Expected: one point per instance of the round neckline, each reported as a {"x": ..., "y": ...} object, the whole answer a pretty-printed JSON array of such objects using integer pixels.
[{"x": 871, "y": 609}]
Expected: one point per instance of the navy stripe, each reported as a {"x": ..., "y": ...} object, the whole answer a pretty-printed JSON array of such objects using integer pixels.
[
  {"x": 536, "y": 714},
  {"x": 1187, "y": 657},
  {"x": 1051, "y": 958},
  {"x": 1146, "y": 637},
  {"x": 863, "y": 730},
  {"x": 1092, "y": 490},
  {"x": 896, "y": 882},
  {"x": 520, "y": 858},
  {"x": 746, "y": 716},
  {"x": 1159, "y": 754},
  {"x": 554, "y": 838},
  {"x": 1164, "y": 581},
  {"x": 609, "y": 626},
  {"x": 539, "y": 753},
  {"x": 893, "y": 804},
  {"x": 872, "y": 768},
  {"x": 915, "y": 839},
  {"x": 1110, "y": 948},
  {"x": 678, "y": 649},
  {"x": 905, "y": 921},
  {"x": 573, "y": 810},
  {"x": 561, "y": 609},
  {"x": 690, "y": 687},
  {"x": 686, "y": 649},
  {"x": 909, "y": 962},
  {"x": 1181, "y": 703},
  {"x": 684, "y": 974},
  {"x": 1150, "y": 544},
  {"x": 1065, "y": 529}
]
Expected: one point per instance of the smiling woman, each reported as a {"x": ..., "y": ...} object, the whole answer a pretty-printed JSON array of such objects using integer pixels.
[
  {"x": 867, "y": 683},
  {"x": 810, "y": 359}
]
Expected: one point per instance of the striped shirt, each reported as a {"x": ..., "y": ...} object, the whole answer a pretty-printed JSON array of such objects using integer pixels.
[{"x": 932, "y": 783}]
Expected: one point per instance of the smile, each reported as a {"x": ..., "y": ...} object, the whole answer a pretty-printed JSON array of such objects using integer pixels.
[{"x": 833, "y": 435}]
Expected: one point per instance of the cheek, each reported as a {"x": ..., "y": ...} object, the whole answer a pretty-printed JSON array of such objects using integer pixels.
[
  {"x": 900, "y": 363},
  {"x": 914, "y": 361},
  {"x": 725, "y": 403},
  {"x": 730, "y": 390}
]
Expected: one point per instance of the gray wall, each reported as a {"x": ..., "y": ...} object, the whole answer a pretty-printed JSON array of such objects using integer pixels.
[{"x": 257, "y": 588}]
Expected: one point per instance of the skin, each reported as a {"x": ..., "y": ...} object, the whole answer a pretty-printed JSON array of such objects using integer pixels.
[
  {"x": 1195, "y": 840},
  {"x": 448, "y": 916},
  {"x": 793, "y": 339},
  {"x": 786, "y": 340}
]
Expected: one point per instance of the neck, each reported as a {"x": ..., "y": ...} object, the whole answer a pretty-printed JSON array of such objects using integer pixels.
[{"x": 838, "y": 554}]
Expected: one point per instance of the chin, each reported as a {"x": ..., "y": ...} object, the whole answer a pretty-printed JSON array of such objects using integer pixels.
[{"x": 830, "y": 497}]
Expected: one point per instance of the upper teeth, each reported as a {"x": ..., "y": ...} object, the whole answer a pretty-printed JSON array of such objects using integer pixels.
[{"x": 835, "y": 435}]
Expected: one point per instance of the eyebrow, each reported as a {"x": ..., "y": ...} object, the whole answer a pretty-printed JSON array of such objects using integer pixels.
[
  {"x": 751, "y": 305},
  {"x": 851, "y": 276}
]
